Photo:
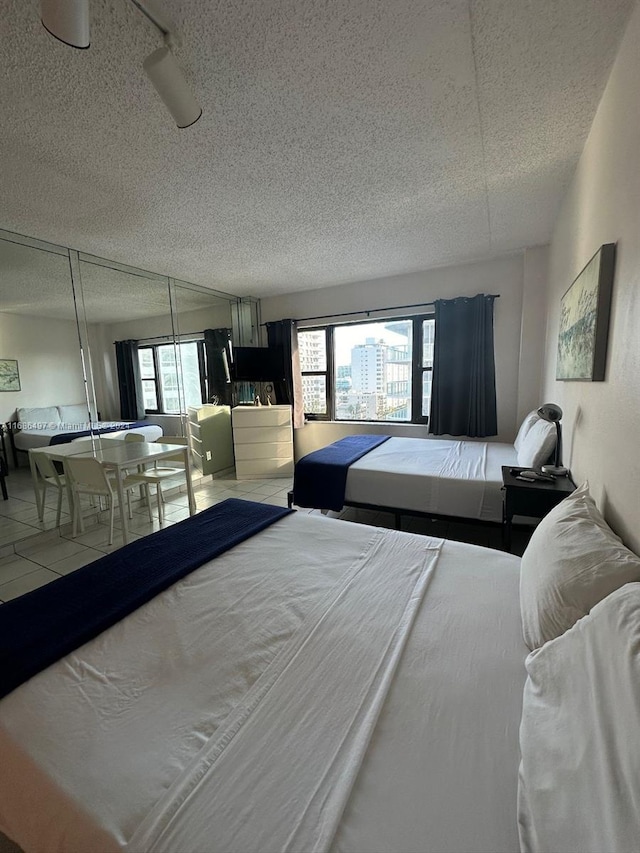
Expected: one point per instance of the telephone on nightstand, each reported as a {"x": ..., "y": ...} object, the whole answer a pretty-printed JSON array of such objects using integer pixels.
[{"x": 533, "y": 476}]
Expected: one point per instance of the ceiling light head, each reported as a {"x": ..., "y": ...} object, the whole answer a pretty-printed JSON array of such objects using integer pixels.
[
  {"x": 169, "y": 81},
  {"x": 67, "y": 20}
]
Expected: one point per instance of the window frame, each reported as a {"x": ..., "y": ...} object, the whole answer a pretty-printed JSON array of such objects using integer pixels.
[
  {"x": 328, "y": 373},
  {"x": 155, "y": 379},
  {"x": 156, "y": 370},
  {"x": 417, "y": 369}
]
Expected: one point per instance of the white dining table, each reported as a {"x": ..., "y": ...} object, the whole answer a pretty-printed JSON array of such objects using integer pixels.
[{"x": 117, "y": 456}]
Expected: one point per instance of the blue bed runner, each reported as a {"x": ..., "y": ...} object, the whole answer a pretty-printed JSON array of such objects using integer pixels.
[
  {"x": 320, "y": 479},
  {"x": 42, "y": 626},
  {"x": 66, "y": 437}
]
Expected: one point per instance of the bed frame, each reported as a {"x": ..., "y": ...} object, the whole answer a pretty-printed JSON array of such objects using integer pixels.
[{"x": 398, "y": 513}]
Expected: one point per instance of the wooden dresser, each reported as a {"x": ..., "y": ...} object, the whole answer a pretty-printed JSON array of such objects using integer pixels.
[
  {"x": 263, "y": 441},
  {"x": 210, "y": 437}
]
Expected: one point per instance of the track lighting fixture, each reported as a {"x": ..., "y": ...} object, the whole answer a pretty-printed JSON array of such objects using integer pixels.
[
  {"x": 68, "y": 21},
  {"x": 168, "y": 80}
]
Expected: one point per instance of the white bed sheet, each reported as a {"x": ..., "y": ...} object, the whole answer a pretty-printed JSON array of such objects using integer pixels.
[
  {"x": 96, "y": 741},
  {"x": 32, "y": 438},
  {"x": 456, "y": 478}
]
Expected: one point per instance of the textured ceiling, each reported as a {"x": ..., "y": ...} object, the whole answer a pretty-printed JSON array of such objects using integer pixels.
[{"x": 341, "y": 139}]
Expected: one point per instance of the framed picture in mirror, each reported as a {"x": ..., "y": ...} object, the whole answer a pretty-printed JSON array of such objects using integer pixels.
[{"x": 9, "y": 376}]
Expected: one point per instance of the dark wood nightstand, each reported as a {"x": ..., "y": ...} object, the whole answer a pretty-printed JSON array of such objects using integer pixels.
[{"x": 531, "y": 499}]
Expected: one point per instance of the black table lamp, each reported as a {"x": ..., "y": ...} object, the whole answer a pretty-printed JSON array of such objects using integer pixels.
[{"x": 553, "y": 413}]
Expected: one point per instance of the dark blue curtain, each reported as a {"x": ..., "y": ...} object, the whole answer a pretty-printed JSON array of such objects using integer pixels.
[
  {"x": 283, "y": 334},
  {"x": 217, "y": 347},
  {"x": 463, "y": 395},
  {"x": 129, "y": 382}
]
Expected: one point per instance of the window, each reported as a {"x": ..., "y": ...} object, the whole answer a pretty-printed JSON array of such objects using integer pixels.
[
  {"x": 373, "y": 371},
  {"x": 314, "y": 361},
  {"x": 159, "y": 374}
]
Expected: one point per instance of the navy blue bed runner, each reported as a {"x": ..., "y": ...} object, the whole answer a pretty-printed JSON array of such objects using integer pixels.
[
  {"x": 42, "y": 626},
  {"x": 320, "y": 479},
  {"x": 66, "y": 437}
]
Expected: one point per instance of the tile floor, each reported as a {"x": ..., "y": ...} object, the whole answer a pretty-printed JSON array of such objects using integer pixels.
[{"x": 34, "y": 553}]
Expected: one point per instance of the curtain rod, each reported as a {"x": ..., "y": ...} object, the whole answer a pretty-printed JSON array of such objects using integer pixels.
[
  {"x": 371, "y": 310},
  {"x": 167, "y": 337}
]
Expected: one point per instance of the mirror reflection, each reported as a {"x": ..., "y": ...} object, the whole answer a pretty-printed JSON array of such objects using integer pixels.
[
  {"x": 42, "y": 386},
  {"x": 85, "y": 345}
]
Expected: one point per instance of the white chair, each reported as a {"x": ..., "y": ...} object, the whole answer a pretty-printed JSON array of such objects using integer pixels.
[
  {"x": 161, "y": 472},
  {"x": 49, "y": 476},
  {"x": 88, "y": 477}
]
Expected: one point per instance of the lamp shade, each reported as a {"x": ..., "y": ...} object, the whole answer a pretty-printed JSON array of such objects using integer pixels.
[
  {"x": 169, "y": 82},
  {"x": 67, "y": 20},
  {"x": 550, "y": 412}
]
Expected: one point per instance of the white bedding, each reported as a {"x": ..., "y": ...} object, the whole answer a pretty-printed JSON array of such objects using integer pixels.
[
  {"x": 97, "y": 750},
  {"x": 456, "y": 478},
  {"x": 29, "y": 439}
]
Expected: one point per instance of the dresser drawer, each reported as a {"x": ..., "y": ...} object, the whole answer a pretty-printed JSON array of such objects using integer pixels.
[
  {"x": 262, "y": 435},
  {"x": 261, "y": 416},
  {"x": 258, "y": 469},
  {"x": 281, "y": 450}
]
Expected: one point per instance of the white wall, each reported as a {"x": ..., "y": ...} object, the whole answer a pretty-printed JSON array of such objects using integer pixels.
[
  {"x": 603, "y": 205},
  {"x": 505, "y": 276},
  {"x": 48, "y": 354},
  {"x": 533, "y": 320}
]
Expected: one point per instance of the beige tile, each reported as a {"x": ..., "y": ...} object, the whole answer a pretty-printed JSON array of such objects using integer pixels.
[
  {"x": 14, "y": 567},
  {"x": 274, "y": 500},
  {"x": 26, "y": 583},
  {"x": 37, "y": 542},
  {"x": 51, "y": 552},
  {"x": 266, "y": 489},
  {"x": 17, "y": 509},
  {"x": 117, "y": 542},
  {"x": 143, "y": 526},
  {"x": 177, "y": 514},
  {"x": 7, "y": 551},
  {"x": 94, "y": 536},
  {"x": 70, "y": 564},
  {"x": 17, "y": 534}
]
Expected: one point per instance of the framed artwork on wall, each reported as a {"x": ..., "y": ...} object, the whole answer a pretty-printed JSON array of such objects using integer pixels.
[
  {"x": 584, "y": 320},
  {"x": 9, "y": 376}
]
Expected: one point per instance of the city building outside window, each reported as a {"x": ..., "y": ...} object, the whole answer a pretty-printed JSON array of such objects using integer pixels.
[
  {"x": 373, "y": 371},
  {"x": 159, "y": 375}
]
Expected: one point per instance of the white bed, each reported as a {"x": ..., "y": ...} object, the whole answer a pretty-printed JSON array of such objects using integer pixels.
[
  {"x": 272, "y": 700},
  {"x": 452, "y": 478},
  {"x": 436, "y": 477},
  {"x": 30, "y": 439},
  {"x": 36, "y": 427}
]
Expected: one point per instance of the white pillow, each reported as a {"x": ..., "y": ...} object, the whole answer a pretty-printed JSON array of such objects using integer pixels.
[
  {"x": 578, "y": 780},
  {"x": 525, "y": 426},
  {"x": 44, "y": 417},
  {"x": 538, "y": 444},
  {"x": 572, "y": 562},
  {"x": 74, "y": 415}
]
